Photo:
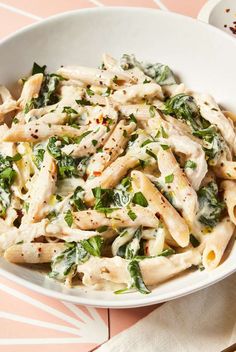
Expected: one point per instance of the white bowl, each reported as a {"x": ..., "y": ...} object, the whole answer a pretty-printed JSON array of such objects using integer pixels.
[
  {"x": 202, "y": 55},
  {"x": 219, "y": 13}
]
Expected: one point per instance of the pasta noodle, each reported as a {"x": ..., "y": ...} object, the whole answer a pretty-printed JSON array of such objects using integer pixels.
[{"x": 117, "y": 175}]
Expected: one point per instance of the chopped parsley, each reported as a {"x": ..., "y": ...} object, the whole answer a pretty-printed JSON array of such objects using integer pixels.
[
  {"x": 69, "y": 111},
  {"x": 83, "y": 102},
  {"x": 132, "y": 118},
  {"x": 101, "y": 229},
  {"x": 169, "y": 178},
  {"x": 69, "y": 218},
  {"x": 165, "y": 146},
  {"x": 150, "y": 153},
  {"x": 132, "y": 215},
  {"x": 83, "y": 135},
  {"x": 140, "y": 199},
  {"x": 190, "y": 165},
  {"x": 90, "y": 92}
]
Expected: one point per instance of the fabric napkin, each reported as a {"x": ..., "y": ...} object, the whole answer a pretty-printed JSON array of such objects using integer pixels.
[{"x": 204, "y": 321}]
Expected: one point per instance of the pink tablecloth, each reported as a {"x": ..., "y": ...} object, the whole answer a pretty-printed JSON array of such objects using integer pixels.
[{"x": 32, "y": 322}]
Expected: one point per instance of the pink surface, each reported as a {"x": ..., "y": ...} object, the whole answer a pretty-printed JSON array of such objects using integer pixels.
[
  {"x": 30, "y": 321},
  {"x": 186, "y": 7}
]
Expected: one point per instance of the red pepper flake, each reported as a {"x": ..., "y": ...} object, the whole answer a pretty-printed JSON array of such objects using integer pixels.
[
  {"x": 233, "y": 29},
  {"x": 85, "y": 177},
  {"x": 105, "y": 121},
  {"x": 97, "y": 173}
]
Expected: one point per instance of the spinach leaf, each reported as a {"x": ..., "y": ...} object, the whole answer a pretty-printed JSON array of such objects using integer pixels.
[
  {"x": 16, "y": 157},
  {"x": 53, "y": 147},
  {"x": 38, "y": 69},
  {"x": 93, "y": 245},
  {"x": 136, "y": 277},
  {"x": 101, "y": 229},
  {"x": 210, "y": 205},
  {"x": 77, "y": 199},
  {"x": 132, "y": 248},
  {"x": 38, "y": 155},
  {"x": 103, "y": 198},
  {"x": 52, "y": 215},
  {"x": 69, "y": 111},
  {"x": 47, "y": 94},
  {"x": 194, "y": 241},
  {"x": 132, "y": 118},
  {"x": 79, "y": 139},
  {"x": 120, "y": 198},
  {"x": 162, "y": 74},
  {"x": 165, "y": 253},
  {"x": 183, "y": 107},
  {"x": 67, "y": 165},
  {"x": 83, "y": 102},
  {"x": 66, "y": 262},
  {"x": 76, "y": 253},
  {"x": 7, "y": 177},
  {"x": 213, "y": 145}
]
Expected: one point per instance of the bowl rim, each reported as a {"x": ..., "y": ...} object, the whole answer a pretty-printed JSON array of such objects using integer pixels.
[
  {"x": 207, "y": 9},
  {"x": 97, "y": 303},
  {"x": 142, "y": 301}
]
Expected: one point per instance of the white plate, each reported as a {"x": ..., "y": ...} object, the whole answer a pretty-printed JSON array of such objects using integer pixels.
[
  {"x": 203, "y": 56},
  {"x": 220, "y": 13}
]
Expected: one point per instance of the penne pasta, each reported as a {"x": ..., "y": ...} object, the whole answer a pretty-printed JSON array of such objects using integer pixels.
[
  {"x": 113, "y": 147},
  {"x": 30, "y": 89},
  {"x": 92, "y": 219},
  {"x": 113, "y": 175},
  {"x": 33, "y": 253},
  {"x": 226, "y": 170},
  {"x": 137, "y": 92},
  {"x": 35, "y": 132},
  {"x": 94, "y": 76},
  {"x": 229, "y": 188},
  {"x": 8, "y": 103},
  {"x": 216, "y": 243},
  {"x": 212, "y": 113},
  {"x": 41, "y": 190},
  {"x": 184, "y": 195},
  {"x": 158, "y": 204},
  {"x": 154, "y": 270}
]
